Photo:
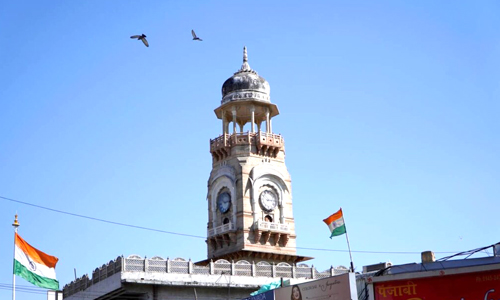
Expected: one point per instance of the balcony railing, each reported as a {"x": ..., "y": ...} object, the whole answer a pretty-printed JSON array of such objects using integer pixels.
[
  {"x": 266, "y": 144},
  {"x": 273, "y": 227},
  {"x": 220, "y": 229}
]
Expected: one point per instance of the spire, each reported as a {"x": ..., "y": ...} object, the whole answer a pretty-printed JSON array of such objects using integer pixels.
[{"x": 245, "y": 67}]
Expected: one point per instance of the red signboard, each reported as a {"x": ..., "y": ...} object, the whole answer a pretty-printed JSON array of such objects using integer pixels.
[{"x": 468, "y": 286}]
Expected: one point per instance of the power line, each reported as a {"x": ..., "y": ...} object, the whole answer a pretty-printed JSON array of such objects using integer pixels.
[
  {"x": 84, "y": 294},
  {"x": 101, "y": 220},
  {"x": 191, "y": 235},
  {"x": 369, "y": 252},
  {"x": 23, "y": 289}
]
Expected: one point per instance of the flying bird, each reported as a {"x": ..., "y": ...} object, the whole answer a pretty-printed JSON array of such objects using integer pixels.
[
  {"x": 142, "y": 38},
  {"x": 195, "y": 37}
]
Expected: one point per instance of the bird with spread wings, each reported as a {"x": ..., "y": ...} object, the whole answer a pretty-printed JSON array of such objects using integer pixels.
[
  {"x": 195, "y": 37},
  {"x": 142, "y": 38}
]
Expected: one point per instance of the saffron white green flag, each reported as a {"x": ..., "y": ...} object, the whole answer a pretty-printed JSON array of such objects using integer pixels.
[
  {"x": 336, "y": 223},
  {"x": 34, "y": 265}
]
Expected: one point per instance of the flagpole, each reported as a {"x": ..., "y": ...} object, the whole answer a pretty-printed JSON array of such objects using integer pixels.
[
  {"x": 15, "y": 225},
  {"x": 348, "y": 245}
]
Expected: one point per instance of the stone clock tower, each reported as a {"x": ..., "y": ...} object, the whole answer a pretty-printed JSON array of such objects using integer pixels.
[{"x": 249, "y": 197}]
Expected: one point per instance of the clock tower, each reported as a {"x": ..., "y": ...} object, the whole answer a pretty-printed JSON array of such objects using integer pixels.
[{"x": 250, "y": 214}]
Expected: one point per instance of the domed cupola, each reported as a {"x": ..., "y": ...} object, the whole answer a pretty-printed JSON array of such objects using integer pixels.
[
  {"x": 245, "y": 84},
  {"x": 245, "y": 99}
]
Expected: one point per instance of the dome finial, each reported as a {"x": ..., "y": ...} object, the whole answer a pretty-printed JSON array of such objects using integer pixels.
[
  {"x": 245, "y": 67},
  {"x": 245, "y": 84}
]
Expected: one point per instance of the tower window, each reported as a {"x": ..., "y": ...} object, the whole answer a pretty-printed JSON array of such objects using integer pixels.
[
  {"x": 268, "y": 218},
  {"x": 225, "y": 221}
]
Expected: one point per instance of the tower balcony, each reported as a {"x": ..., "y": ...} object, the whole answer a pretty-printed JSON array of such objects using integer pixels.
[
  {"x": 266, "y": 230},
  {"x": 221, "y": 235},
  {"x": 225, "y": 228},
  {"x": 272, "y": 227},
  {"x": 262, "y": 143}
]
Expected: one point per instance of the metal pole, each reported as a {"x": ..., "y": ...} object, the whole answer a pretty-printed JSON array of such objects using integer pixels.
[
  {"x": 348, "y": 245},
  {"x": 15, "y": 225}
]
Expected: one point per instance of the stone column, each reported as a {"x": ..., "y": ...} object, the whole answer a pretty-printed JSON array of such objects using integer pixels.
[
  {"x": 253, "y": 201},
  {"x": 223, "y": 123},
  {"x": 234, "y": 119},
  {"x": 267, "y": 121},
  {"x": 252, "y": 110},
  {"x": 213, "y": 210},
  {"x": 282, "y": 216}
]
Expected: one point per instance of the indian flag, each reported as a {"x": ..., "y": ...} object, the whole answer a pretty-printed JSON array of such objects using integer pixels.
[
  {"x": 336, "y": 223},
  {"x": 34, "y": 265}
]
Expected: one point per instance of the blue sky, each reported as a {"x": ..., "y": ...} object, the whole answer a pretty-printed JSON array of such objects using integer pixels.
[{"x": 389, "y": 109}]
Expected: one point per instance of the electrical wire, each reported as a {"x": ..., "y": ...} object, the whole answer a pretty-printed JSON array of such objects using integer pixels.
[
  {"x": 368, "y": 252},
  {"x": 469, "y": 253},
  {"x": 197, "y": 236},
  {"x": 23, "y": 289},
  {"x": 85, "y": 294},
  {"x": 101, "y": 220}
]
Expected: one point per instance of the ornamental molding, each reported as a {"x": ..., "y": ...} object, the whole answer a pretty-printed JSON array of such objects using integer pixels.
[
  {"x": 266, "y": 169},
  {"x": 223, "y": 171},
  {"x": 246, "y": 95},
  {"x": 262, "y": 174}
]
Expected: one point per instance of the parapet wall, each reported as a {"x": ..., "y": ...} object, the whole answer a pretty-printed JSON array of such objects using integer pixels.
[{"x": 156, "y": 264}]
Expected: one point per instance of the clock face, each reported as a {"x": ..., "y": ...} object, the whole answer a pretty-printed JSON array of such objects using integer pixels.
[
  {"x": 268, "y": 200},
  {"x": 224, "y": 202}
]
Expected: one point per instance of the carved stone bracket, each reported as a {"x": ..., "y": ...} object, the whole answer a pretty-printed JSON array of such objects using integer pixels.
[
  {"x": 220, "y": 147},
  {"x": 220, "y": 241},
  {"x": 266, "y": 235},
  {"x": 276, "y": 237},
  {"x": 213, "y": 243},
  {"x": 232, "y": 237},
  {"x": 284, "y": 239},
  {"x": 226, "y": 239},
  {"x": 221, "y": 153},
  {"x": 257, "y": 234}
]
